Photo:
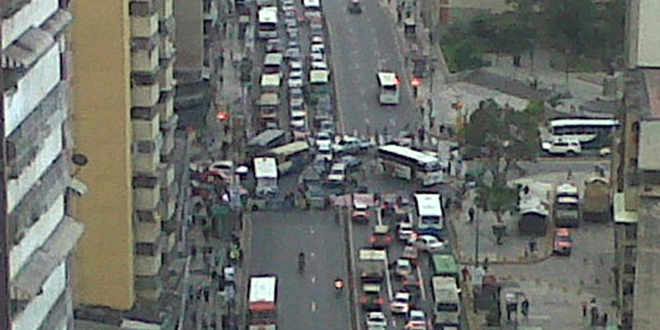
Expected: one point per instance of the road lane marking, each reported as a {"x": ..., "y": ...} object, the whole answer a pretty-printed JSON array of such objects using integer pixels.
[
  {"x": 421, "y": 282},
  {"x": 313, "y": 279},
  {"x": 313, "y": 306},
  {"x": 387, "y": 277},
  {"x": 379, "y": 213}
]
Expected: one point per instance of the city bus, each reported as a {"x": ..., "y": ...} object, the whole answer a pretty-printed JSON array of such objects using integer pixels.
[
  {"x": 590, "y": 132},
  {"x": 290, "y": 157},
  {"x": 429, "y": 214},
  {"x": 267, "y": 22},
  {"x": 265, "y": 172},
  {"x": 262, "y": 302},
  {"x": 265, "y": 140},
  {"x": 409, "y": 164},
  {"x": 389, "y": 88},
  {"x": 446, "y": 302}
]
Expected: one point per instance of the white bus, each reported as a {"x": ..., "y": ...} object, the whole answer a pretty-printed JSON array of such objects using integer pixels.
[
  {"x": 446, "y": 302},
  {"x": 262, "y": 301},
  {"x": 267, "y": 18},
  {"x": 389, "y": 88},
  {"x": 410, "y": 164},
  {"x": 429, "y": 214},
  {"x": 270, "y": 82},
  {"x": 265, "y": 171},
  {"x": 290, "y": 157},
  {"x": 312, "y": 8},
  {"x": 591, "y": 132}
]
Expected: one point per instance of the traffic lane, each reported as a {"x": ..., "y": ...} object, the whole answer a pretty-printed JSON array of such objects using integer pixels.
[
  {"x": 305, "y": 300},
  {"x": 358, "y": 50}
]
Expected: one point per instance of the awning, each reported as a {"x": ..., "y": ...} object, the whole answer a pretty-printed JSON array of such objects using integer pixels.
[
  {"x": 25, "y": 51},
  {"x": 57, "y": 22},
  {"x": 78, "y": 186},
  {"x": 27, "y": 283}
]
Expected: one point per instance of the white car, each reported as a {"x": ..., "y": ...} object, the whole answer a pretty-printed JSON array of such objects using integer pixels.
[
  {"x": 347, "y": 144},
  {"x": 316, "y": 57},
  {"x": 317, "y": 40},
  {"x": 295, "y": 65},
  {"x": 376, "y": 319},
  {"x": 317, "y": 48},
  {"x": 292, "y": 33},
  {"x": 428, "y": 243},
  {"x": 291, "y": 22},
  {"x": 296, "y": 74},
  {"x": 403, "y": 267},
  {"x": 405, "y": 231},
  {"x": 295, "y": 82},
  {"x": 325, "y": 151},
  {"x": 417, "y": 321},
  {"x": 299, "y": 121},
  {"x": 288, "y": 2},
  {"x": 337, "y": 172},
  {"x": 562, "y": 146},
  {"x": 319, "y": 65},
  {"x": 323, "y": 138},
  {"x": 288, "y": 7},
  {"x": 293, "y": 44},
  {"x": 290, "y": 14},
  {"x": 401, "y": 303}
]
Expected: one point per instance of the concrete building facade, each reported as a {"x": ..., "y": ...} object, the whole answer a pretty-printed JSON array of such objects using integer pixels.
[
  {"x": 42, "y": 234},
  {"x": 125, "y": 125}
]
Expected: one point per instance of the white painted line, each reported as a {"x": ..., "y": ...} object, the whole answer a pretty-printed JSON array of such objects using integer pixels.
[
  {"x": 421, "y": 282},
  {"x": 311, "y": 230},
  {"x": 313, "y": 279},
  {"x": 540, "y": 317},
  {"x": 313, "y": 306},
  {"x": 312, "y": 254},
  {"x": 379, "y": 213},
  {"x": 387, "y": 278}
]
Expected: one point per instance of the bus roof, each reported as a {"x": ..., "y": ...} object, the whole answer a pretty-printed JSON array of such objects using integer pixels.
[
  {"x": 265, "y": 168},
  {"x": 428, "y": 204},
  {"x": 311, "y": 3},
  {"x": 273, "y": 59},
  {"x": 272, "y": 80},
  {"x": 583, "y": 122},
  {"x": 267, "y": 15},
  {"x": 265, "y": 137},
  {"x": 444, "y": 264},
  {"x": 269, "y": 99},
  {"x": 318, "y": 76},
  {"x": 387, "y": 79},
  {"x": 262, "y": 293},
  {"x": 444, "y": 288},
  {"x": 419, "y": 156},
  {"x": 290, "y": 148}
]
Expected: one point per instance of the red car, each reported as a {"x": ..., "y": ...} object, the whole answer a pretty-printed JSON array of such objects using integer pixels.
[
  {"x": 563, "y": 243},
  {"x": 381, "y": 237}
]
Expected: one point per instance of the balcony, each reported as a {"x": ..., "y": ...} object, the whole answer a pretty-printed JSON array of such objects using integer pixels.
[
  {"x": 165, "y": 108},
  {"x": 146, "y": 198},
  {"x": 166, "y": 76},
  {"x": 167, "y": 146},
  {"x": 146, "y": 130},
  {"x": 147, "y": 232},
  {"x": 166, "y": 48},
  {"x": 144, "y": 26},
  {"x": 145, "y": 60},
  {"x": 167, "y": 208},
  {"x": 146, "y": 163},
  {"x": 148, "y": 260},
  {"x": 145, "y": 95}
]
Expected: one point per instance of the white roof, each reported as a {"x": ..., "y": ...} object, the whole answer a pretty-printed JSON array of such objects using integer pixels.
[
  {"x": 418, "y": 156},
  {"x": 372, "y": 254},
  {"x": 273, "y": 59},
  {"x": 311, "y": 3},
  {"x": 268, "y": 15},
  {"x": 318, "y": 76},
  {"x": 290, "y": 148},
  {"x": 567, "y": 200},
  {"x": 583, "y": 121},
  {"x": 262, "y": 288},
  {"x": 428, "y": 204},
  {"x": 269, "y": 99},
  {"x": 567, "y": 189},
  {"x": 270, "y": 80},
  {"x": 387, "y": 78},
  {"x": 265, "y": 167}
]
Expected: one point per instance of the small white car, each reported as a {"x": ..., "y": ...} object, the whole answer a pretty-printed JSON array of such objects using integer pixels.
[
  {"x": 417, "y": 321},
  {"x": 347, "y": 144},
  {"x": 288, "y": 7},
  {"x": 317, "y": 48},
  {"x": 403, "y": 267},
  {"x": 319, "y": 65},
  {"x": 295, "y": 82},
  {"x": 299, "y": 120},
  {"x": 295, "y": 65},
  {"x": 325, "y": 151},
  {"x": 296, "y": 74},
  {"x": 291, "y": 22},
  {"x": 405, "y": 231},
  {"x": 562, "y": 146},
  {"x": 376, "y": 319},
  {"x": 316, "y": 57},
  {"x": 401, "y": 303},
  {"x": 317, "y": 40},
  {"x": 428, "y": 243},
  {"x": 323, "y": 138},
  {"x": 337, "y": 172}
]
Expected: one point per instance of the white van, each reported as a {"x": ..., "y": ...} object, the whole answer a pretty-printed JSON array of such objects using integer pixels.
[{"x": 562, "y": 146}]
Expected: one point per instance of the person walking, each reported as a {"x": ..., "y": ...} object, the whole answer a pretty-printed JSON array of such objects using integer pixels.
[
  {"x": 471, "y": 214},
  {"x": 524, "y": 307},
  {"x": 584, "y": 309}
]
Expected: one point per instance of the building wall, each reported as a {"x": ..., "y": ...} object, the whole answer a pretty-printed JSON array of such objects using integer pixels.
[
  {"x": 38, "y": 308},
  {"x": 104, "y": 272},
  {"x": 642, "y": 41},
  {"x": 189, "y": 35}
]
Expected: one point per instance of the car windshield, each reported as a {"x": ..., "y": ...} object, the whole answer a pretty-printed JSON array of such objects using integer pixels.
[
  {"x": 447, "y": 307},
  {"x": 564, "y": 239}
]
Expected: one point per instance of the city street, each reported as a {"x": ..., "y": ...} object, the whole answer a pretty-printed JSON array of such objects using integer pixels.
[{"x": 360, "y": 44}]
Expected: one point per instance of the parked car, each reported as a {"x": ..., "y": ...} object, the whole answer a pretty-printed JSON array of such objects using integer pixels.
[
  {"x": 274, "y": 45},
  {"x": 295, "y": 82},
  {"x": 316, "y": 57},
  {"x": 290, "y": 14},
  {"x": 401, "y": 303},
  {"x": 290, "y": 22},
  {"x": 288, "y": 7},
  {"x": 381, "y": 237},
  {"x": 417, "y": 321},
  {"x": 325, "y": 151},
  {"x": 370, "y": 298},
  {"x": 296, "y": 74},
  {"x": 351, "y": 161},
  {"x": 410, "y": 253},
  {"x": 292, "y": 54},
  {"x": 361, "y": 212},
  {"x": 293, "y": 44},
  {"x": 317, "y": 48},
  {"x": 376, "y": 319},
  {"x": 322, "y": 138},
  {"x": 296, "y": 65},
  {"x": 405, "y": 231},
  {"x": 563, "y": 243},
  {"x": 222, "y": 169},
  {"x": 317, "y": 40},
  {"x": 402, "y": 268},
  {"x": 319, "y": 65},
  {"x": 292, "y": 33},
  {"x": 337, "y": 172}
]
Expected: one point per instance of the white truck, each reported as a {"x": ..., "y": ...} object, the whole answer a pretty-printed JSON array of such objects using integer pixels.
[{"x": 567, "y": 205}]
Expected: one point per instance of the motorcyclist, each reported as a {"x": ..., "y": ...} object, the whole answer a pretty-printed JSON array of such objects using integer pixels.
[
  {"x": 301, "y": 261},
  {"x": 339, "y": 284}
]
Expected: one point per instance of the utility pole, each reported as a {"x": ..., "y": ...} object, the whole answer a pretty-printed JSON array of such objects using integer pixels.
[
  {"x": 476, "y": 238},
  {"x": 5, "y": 310}
]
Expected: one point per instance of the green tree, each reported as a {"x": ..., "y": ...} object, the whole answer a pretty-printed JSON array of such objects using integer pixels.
[
  {"x": 570, "y": 24},
  {"x": 498, "y": 198},
  {"x": 501, "y": 135}
]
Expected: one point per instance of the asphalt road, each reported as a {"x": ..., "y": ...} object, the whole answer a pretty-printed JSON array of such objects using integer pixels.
[
  {"x": 361, "y": 43},
  {"x": 308, "y": 300}
]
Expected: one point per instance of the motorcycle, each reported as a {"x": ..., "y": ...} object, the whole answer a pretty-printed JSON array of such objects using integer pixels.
[{"x": 339, "y": 286}]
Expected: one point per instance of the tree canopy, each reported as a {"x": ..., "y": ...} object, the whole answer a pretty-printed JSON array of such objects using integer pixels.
[{"x": 502, "y": 135}]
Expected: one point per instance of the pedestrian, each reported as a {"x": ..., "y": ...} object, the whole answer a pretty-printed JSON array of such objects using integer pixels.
[
  {"x": 584, "y": 309},
  {"x": 466, "y": 274},
  {"x": 222, "y": 60},
  {"x": 532, "y": 245},
  {"x": 511, "y": 305},
  {"x": 485, "y": 265},
  {"x": 471, "y": 214},
  {"x": 524, "y": 307},
  {"x": 605, "y": 319}
]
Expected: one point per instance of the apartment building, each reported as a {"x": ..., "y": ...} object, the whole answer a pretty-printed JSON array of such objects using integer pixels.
[
  {"x": 36, "y": 112},
  {"x": 124, "y": 125},
  {"x": 636, "y": 174}
]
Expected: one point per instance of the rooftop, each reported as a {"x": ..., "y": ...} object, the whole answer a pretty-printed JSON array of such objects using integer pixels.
[{"x": 649, "y": 148}]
